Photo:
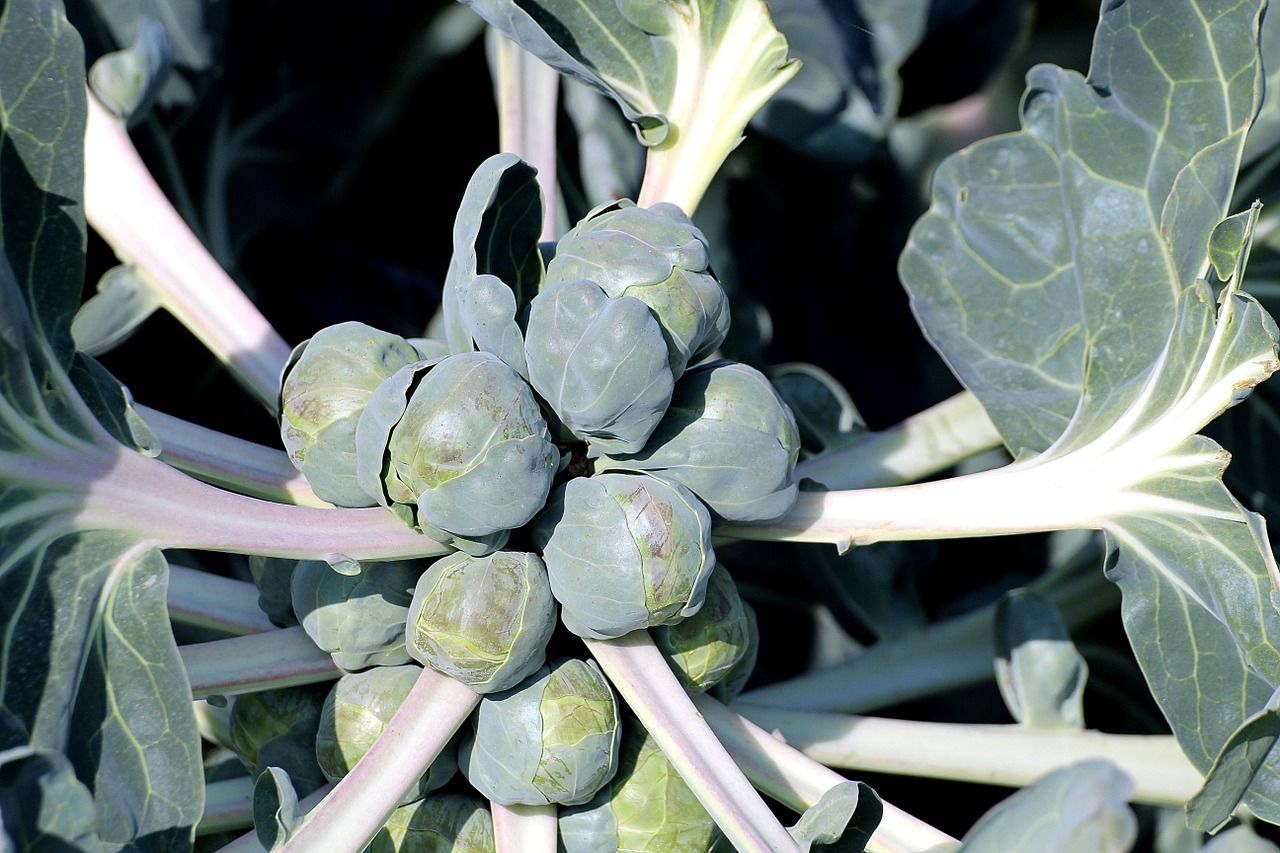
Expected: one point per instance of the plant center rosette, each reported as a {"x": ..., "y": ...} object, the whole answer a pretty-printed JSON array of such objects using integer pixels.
[{"x": 576, "y": 450}]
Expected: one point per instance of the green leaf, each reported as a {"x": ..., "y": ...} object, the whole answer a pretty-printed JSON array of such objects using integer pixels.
[
  {"x": 1040, "y": 674},
  {"x": 1078, "y": 809},
  {"x": 825, "y": 413},
  {"x": 1233, "y": 771},
  {"x": 123, "y": 301},
  {"x": 496, "y": 268},
  {"x": 88, "y": 667},
  {"x": 1059, "y": 272},
  {"x": 1230, "y": 241},
  {"x": 43, "y": 806},
  {"x": 128, "y": 81},
  {"x": 846, "y": 96},
  {"x": 184, "y": 24},
  {"x": 42, "y": 117},
  {"x": 594, "y": 43},
  {"x": 275, "y": 807},
  {"x": 689, "y": 74},
  {"x": 842, "y": 821},
  {"x": 1050, "y": 265}
]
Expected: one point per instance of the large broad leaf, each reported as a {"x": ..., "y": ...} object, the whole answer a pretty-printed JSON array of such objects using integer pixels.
[
  {"x": 688, "y": 74},
  {"x": 1058, "y": 271},
  {"x": 88, "y": 667},
  {"x": 42, "y": 115},
  {"x": 1049, "y": 268}
]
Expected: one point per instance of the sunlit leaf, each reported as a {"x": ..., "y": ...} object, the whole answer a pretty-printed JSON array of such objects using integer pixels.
[{"x": 1078, "y": 809}]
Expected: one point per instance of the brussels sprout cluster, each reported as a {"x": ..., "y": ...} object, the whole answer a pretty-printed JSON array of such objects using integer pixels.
[
  {"x": 602, "y": 373},
  {"x": 576, "y": 451}
]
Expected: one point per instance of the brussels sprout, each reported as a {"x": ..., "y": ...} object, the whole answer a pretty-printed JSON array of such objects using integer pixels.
[
  {"x": 325, "y": 389},
  {"x": 462, "y": 442},
  {"x": 704, "y": 648},
  {"x": 733, "y": 682},
  {"x": 729, "y": 438},
  {"x": 600, "y": 363},
  {"x": 625, "y": 551},
  {"x": 359, "y": 619},
  {"x": 277, "y": 728},
  {"x": 660, "y": 257},
  {"x": 482, "y": 620},
  {"x": 551, "y": 739},
  {"x": 356, "y": 711},
  {"x": 448, "y": 823},
  {"x": 646, "y": 808}
]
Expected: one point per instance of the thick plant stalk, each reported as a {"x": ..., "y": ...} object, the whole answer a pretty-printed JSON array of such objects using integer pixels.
[
  {"x": 228, "y": 805},
  {"x": 524, "y": 829},
  {"x": 127, "y": 208},
  {"x": 923, "y": 444},
  {"x": 640, "y": 673},
  {"x": 526, "y": 90},
  {"x": 279, "y": 658},
  {"x": 991, "y": 754},
  {"x": 206, "y": 600},
  {"x": 119, "y": 489},
  {"x": 359, "y": 805},
  {"x": 798, "y": 781},
  {"x": 229, "y": 462}
]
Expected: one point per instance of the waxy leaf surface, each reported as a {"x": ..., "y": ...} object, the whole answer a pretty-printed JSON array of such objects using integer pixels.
[
  {"x": 1059, "y": 273},
  {"x": 88, "y": 667}
]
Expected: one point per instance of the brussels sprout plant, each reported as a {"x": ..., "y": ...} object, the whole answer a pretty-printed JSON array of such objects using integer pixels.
[{"x": 476, "y": 524}]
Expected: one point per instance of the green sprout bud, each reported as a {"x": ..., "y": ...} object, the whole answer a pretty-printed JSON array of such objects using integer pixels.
[
  {"x": 706, "y": 647},
  {"x": 462, "y": 442},
  {"x": 485, "y": 621},
  {"x": 357, "y": 710},
  {"x": 551, "y": 739},
  {"x": 625, "y": 551},
  {"x": 326, "y": 387},
  {"x": 448, "y": 823},
  {"x": 660, "y": 257},
  {"x": 729, "y": 438},
  {"x": 732, "y": 683},
  {"x": 646, "y": 808},
  {"x": 277, "y": 728},
  {"x": 359, "y": 619},
  {"x": 600, "y": 363}
]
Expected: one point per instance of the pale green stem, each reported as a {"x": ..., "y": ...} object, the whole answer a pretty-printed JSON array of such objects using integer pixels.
[
  {"x": 640, "y": 673},
  {"x": 280, "y": 658},
  {"x": 206, "y": 600},
  {"x": 127, "y": 208},
  {"x": 946, "y": 655},
  {"x": 924, "y": 444},
  {"x": 360, "y": 803},
  {"x": 229, "y": 462},
  {"x": 1008, "y": 755},
  {"x": 798, "y": 781},
  {"x": 720, "y": 84},
  {"x": 524, "y": 829},
  {"x": 228, "y": 805},
  {"x": 526, "y": 90},
  {"x": 1013, "y": 499}
]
